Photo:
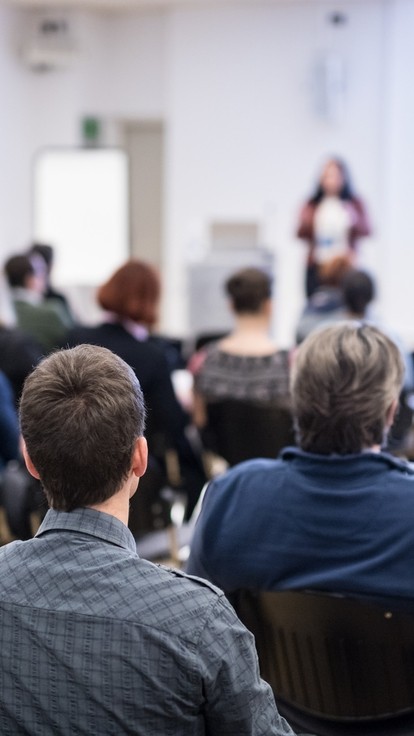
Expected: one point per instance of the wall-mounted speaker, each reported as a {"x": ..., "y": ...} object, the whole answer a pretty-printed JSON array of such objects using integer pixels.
[{"x": 49, "y": 41}]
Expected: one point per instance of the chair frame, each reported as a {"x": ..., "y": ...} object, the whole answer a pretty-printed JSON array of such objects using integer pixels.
[
  {"x": 240, "y": 430},
  {"x": 337, "y": 664}
]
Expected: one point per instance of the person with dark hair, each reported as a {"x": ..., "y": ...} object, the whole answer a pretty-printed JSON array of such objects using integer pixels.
[
  {"x": 131, "y": 300},
  {"x": 326, "y": 304},
  {"x": 133, "y": 292},
  {"x": 248, "y": 289},
  {"x": 44, "y": 320},
  {"x": 332, "y": 220},
  {"x": 45, "y": 251},
  {"x": 246, "y": 364},
  {"x": 358, "y": 291},
  {"x": 336, "y": 512},
  {"x": 94, "y": 639}
]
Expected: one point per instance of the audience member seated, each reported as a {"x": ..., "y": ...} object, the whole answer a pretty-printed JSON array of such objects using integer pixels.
[
  {"x": 43, "y": 319},
  {"x": 335, "y": 513},
  {"x": 246, "y": 364},
  {"x": 94, "y": 639},
  {"x": 326, "y": 304},
  {"x": 9, "y": 425},
  {"x": 44, "y": 251},
  {"x": 358, "y": 290},
  {"x": 347, "y": 293},
  {"x": 19, "y": 493},
  {"x": 19, "y": 353},
  {"x": 131, "y": 299}
]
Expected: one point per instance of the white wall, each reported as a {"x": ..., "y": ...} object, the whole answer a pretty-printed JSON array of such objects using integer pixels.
[
  {"x": 118, "y": 73},
  {"x": 14, "y": 148},
  {"x": 245, "y": 140},
  {"x": 397, "y": 266},
  {"x": 234, "y": 86}
]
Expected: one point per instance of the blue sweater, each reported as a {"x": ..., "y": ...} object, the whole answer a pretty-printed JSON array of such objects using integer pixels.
[
  {"x": 9, "y": 425},
  {"x": 341, "y": 523}
]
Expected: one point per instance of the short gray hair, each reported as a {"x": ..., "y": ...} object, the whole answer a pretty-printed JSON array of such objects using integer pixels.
[{"x": 344, "y": 380}]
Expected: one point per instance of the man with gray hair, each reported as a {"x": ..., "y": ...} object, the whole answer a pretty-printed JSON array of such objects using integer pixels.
[
  {"x": 335, "y": 513},
  {"x": 94, "y": 640}
]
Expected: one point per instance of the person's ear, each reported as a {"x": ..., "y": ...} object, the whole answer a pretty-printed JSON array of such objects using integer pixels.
[
  {"x": 267, "y": 307},
  {"x": 390, "y": 415},
  {"x": 230, "y": 306},
  {"x": 29, "y": 465},
  {"x": 140, "y": 457}
]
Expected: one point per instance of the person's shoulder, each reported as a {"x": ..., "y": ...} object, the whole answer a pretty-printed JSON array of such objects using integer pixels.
[
  {"x": 255, "y": 466},
  {"x": 357, "y": 201},
  {"x": 180, "y": 604},
  {"x": 166, "y": 577},
  {"x": 24, "y": 343},
  {"x": 204, "y": 588},
  {"x": 82, "y": 334},
  {"x": 281, "y": 357},
  {"x": 399, "y": 468},
  {"x": 50, "y": 308},
  {"x": 196, "y": 362},
  {"x": 5, "y": 388},
  {"x": 211, "y": 352},
  {"x": 259, "y": 472},
  {"x": 98, "y": 334}
]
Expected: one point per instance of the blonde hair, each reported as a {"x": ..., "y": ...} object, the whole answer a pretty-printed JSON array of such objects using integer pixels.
[{"x": 344, "y": 381}]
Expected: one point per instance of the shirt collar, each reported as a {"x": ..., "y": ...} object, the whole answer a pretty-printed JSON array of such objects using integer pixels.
[
  {"x": 92, "y": 522},
  {"x": 290, "y": 453},
  {"x": 135, "y": 329},
  {"x": 29, "y": 296}
]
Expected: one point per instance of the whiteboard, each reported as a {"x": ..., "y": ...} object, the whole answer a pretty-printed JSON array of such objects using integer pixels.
[{"x": 81, "y": 208}]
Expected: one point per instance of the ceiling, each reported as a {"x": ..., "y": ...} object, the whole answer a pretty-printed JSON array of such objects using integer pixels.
[{"x": 119, "y": 4}]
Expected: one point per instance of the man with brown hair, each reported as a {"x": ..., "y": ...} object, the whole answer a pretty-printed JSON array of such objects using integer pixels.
[
  {"x": 335, "y": 513},
  {"x": 94, "y": 640}
]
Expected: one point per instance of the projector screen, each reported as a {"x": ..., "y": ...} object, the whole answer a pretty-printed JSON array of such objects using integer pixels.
[{"x": 81, "y": 208}]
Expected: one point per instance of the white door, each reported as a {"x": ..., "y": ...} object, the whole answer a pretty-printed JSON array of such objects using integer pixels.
[{"x": 144, "y": 144}]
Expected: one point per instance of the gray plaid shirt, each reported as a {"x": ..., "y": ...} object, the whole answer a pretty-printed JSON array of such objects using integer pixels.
[{"x": 94, "y": 640}]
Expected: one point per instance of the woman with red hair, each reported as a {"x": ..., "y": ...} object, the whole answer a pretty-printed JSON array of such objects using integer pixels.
[
  {"x": 131, "y": 300},
  {"x": 132, "y": 294}
]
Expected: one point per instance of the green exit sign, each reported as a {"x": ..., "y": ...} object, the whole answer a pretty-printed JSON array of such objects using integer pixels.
[{"x": 91, "y": 130}]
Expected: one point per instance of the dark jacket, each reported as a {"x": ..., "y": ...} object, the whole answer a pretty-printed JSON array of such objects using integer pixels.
[
  {"x": 166, "y": 420},
  {"x": 338, "y": 523}
]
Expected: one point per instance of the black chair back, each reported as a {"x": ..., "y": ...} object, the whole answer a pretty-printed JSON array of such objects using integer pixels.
[
  {"x": 337, "y": 665},
  {"x": 239, "y": 430}
]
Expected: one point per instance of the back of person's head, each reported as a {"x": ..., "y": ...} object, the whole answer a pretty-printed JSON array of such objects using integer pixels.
[
  {"x": 345, "y": 381},
  {"x": 19, "y": 269},
  {"x": 358, "y": 290},
  {"x": 81, "y": 412},
  {"x": 133, "y": 292},
  {"x": 248, "y": 289}
]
